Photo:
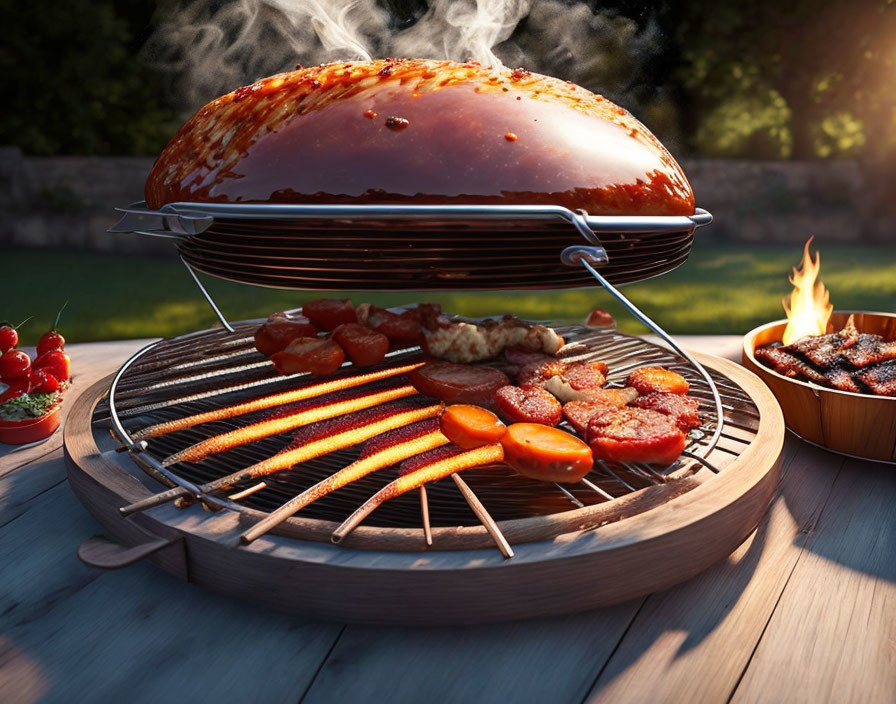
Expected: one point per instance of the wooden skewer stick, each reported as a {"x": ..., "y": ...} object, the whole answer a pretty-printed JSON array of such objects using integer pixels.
[
  {"x": 274, "y": 426},
  {"x": 424, "y": 511},
  {"x": 346, "y": 475},
  {"x": 484, "y": 517},
  {"x": 271, "y": 401},
  {"x": 486, "y": 454},
  {"x": 288, "y": 458},
  {"x": 247, "y": 492}
]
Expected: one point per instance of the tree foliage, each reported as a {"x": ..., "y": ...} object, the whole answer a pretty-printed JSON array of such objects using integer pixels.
[
  {"x": 761, "y": 79},
  {"x": 802, "y": 79},
  {"x": 72, "y": 82}
]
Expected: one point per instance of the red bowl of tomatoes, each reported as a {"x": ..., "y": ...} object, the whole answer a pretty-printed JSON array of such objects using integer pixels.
[
  {"x": 21, "y": 432},
  {"x": 31, "y": 390}
]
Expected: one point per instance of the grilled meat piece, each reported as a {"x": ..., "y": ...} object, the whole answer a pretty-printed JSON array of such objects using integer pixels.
[
  {"x": 881, "y": 379},
  {"x": 783, "y": 362},
  {"x": 578, "y": 413},
  {"x": 846, "y": 360},
  {"x": 647, "y": 379},
  {"x": 530, "y": 405},
  {"x": 847, "y": 346},
  {"x": 684, "y": 410},
  {"x": 870, "y": 349},
  {"x": 578, "y": 381},
  {"x": 635, "y": 435},
  {"x": 459, "y": 341},
  {"x": 841, "y": 378}
]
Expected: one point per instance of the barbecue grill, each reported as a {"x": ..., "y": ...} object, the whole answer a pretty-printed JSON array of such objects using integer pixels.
[{"x": 649, "y": 527}]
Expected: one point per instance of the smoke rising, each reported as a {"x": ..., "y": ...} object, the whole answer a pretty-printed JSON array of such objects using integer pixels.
[{"x": 209, "y": 47}]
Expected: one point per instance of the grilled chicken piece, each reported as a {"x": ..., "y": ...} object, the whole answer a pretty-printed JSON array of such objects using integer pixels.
[{"x": 459, "y": 341}]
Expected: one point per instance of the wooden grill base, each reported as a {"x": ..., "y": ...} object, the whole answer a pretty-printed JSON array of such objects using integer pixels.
[{"x": 658, "y": 537}]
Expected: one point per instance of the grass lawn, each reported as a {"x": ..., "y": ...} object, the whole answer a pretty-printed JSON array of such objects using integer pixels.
[{"x": 721, "y": 289}]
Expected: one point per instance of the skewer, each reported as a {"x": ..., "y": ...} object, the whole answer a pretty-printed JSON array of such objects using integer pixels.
[
  {"x": 271, "y": 401},
  {"x": 487, "y": 454},
  {"x": 360, "y": 468},
  {"x": 424, "y": 512},
  {"x": 288, "y": 458},
  {"x": 275, "y": 426},
  {"x": 247, "y": 492},
  {"x": 484, "y": 517},
  {"x": 594, "y": 487}
]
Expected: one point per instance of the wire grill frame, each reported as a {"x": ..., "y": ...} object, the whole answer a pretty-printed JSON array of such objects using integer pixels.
[{"x": 130, "y": 385}]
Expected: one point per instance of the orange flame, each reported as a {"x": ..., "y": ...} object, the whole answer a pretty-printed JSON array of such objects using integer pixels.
[{"x": 809, "y": 307}]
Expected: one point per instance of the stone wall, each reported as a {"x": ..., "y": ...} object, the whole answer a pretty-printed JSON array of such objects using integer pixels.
[{"x": 67, "y": 202}]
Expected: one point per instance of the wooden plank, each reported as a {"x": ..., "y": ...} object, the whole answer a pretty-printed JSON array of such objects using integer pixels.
[
  {"x": 559, "y": 659},
  {"x": 90, "y": 362},
  {"x": 72, "y": 633},
  {"x": 693, "y": 641},
  {"x": 833, "y": 634},
  {"x": 549, "y": 660}
]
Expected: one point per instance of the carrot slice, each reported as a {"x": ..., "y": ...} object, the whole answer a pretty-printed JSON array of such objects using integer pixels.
[
  {"x": 547, "y": 454},
  {"x": 471, "y": 426}
]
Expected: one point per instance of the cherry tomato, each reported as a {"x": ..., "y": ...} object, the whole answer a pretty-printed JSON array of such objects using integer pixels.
[
  {"x": 56, "y": 361},
  {"x": 309, "y": 354},
  {"x": 43, "y": 381},
  {"x": 50, "y": 340},
  {"x": 279, "y": 331},
  {"x": 329, "y": 313},
  {"x": 9, "y": 338},
  {"x": 14, "y": 364},
  {"x": 362, "y": 345},
  {"x": 17, "y": 387}
]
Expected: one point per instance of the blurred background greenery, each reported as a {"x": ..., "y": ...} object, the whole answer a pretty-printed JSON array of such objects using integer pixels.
[
  {"x": 721, "y": 289},
  {"x": 803, "y": 80}
]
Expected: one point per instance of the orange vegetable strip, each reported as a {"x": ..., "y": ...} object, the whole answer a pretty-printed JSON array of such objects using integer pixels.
[
  {"x": 486, "y": 454},
  {"x": 288, "y": 458},
  {"x": 360, "y": 468},
  {"x": 260, "y": 404},
  {"x": 274, "y": 426}
]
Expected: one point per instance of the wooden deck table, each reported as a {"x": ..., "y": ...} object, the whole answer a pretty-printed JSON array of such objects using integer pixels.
[{"x": 803, "y": 611}]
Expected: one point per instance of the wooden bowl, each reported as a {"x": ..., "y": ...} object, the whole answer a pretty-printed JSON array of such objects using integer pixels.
[{"x": 858, "y": 425}]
